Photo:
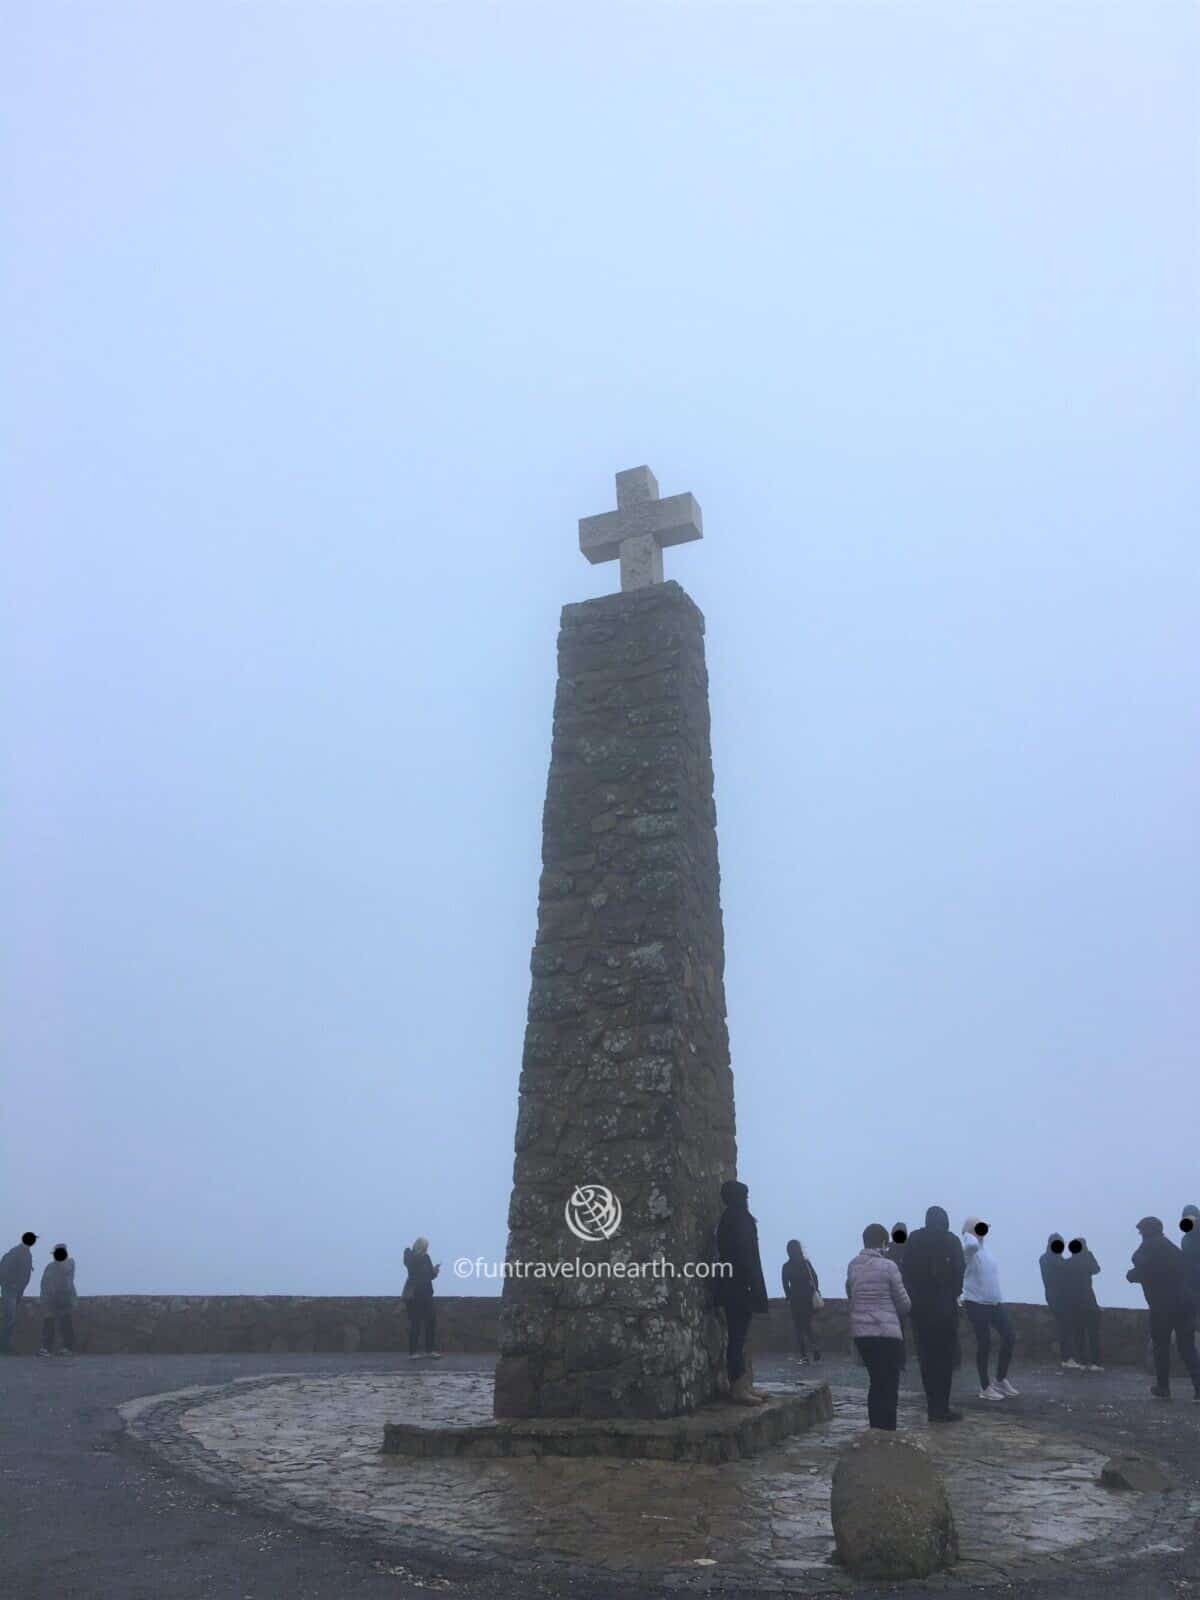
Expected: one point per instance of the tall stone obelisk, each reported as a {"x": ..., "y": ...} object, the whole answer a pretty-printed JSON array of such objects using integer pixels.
[{"x": 625, "y": 1127}]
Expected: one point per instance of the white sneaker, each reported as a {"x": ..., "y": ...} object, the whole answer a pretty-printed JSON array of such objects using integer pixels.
[
  {"x": 991, "y": 1393},
  {"x": 43, "y": 1351},
  {"x": 1072, "y": 1365},
  {"x": 1006, "y": 1388},
  {"x": 1094, "y": 1368}
]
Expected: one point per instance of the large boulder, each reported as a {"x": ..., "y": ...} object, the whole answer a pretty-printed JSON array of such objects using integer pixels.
[
  {"x": 1134, "y": 1472},
  {"x": 891, "y": 1517}
]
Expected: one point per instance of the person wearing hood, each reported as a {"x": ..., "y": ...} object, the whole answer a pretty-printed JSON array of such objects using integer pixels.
[
  {"x": 899, "y": 1241},
  {"x": 58, "y": 1302},
  {"x": 1160, "y": 1268},
  {"x": 985, "y": 1308},
  {"x": 801, "y": 1290},
  {"x": 878, "y": 1300},
  {"x": 1083, "y": 1309},
  {"x": 740, "y": 1288},
  {"x": 932, "y": 1271},
  {"x": 16, "y": 1269},
  {"x": 1190, "y": 1245},
  {"x": 418, "y": 1297},
  {"x": 1053, "y": 1263}
]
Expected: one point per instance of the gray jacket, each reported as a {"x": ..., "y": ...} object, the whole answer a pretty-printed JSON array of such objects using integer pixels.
[
  {"x": 58, "y": 1286},
  {"x": 877, "y": 1296},
  {"x": 16, "y": 1269}
]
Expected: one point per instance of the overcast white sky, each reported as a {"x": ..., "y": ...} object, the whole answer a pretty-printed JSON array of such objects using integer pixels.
[{"x": 327, "y": 321}]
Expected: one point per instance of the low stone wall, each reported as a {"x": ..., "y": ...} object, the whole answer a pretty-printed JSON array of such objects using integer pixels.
[{"x": 215, "y": 1324}]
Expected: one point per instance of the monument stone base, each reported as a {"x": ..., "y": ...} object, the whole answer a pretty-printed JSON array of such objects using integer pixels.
[{"x": 711, "y": 1434}]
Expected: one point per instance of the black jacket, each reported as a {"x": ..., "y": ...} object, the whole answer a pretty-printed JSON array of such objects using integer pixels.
[
  {"x": 737, "y": 1244},
  {"x": 419, "y": 1284},
  {"x": 932, "y": 1268},
  {"x": 1159, "y": 1266},
  {"x": 1081, "y": 1268},
  {"x": 800, "y": 1282},
  {"x": 1054, "y": 1269}
]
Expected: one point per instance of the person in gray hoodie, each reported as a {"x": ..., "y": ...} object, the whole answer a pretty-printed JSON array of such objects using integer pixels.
[
  {"x": 878, "y": 1300},
  {"x": 58, "y": 1302},
  {"x": 1190, "y": 1245},
  {"x": 16, "y": 1269}
]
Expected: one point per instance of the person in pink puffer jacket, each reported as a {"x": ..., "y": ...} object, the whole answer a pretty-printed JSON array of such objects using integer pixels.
[{"x": 878, "y": 1300}]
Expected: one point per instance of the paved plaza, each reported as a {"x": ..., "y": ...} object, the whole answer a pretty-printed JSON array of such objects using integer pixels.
[{"x": 252, "y": 1477}]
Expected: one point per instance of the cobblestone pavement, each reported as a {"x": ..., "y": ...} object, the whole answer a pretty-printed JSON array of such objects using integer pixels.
[
  {"x": 89, "y": 1513},
  {"x": 1026, "y": 1497}
]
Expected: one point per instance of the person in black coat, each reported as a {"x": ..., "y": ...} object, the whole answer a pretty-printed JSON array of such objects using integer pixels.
[
  {"x": 800, "y": 1289},
  {"x": 932, "y": 1270},
  {"x": 1159, "y": 1266},
  {"x": 1083, "y": 1309},
  {"x": 741, "y": 1289},
  {"x": 1190, "y": 1245},
  {"x": 1053, "y": 1264},
  {"x": 418, "y": 1297}
]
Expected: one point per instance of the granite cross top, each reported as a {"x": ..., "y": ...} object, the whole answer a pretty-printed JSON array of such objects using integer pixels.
[{"x": 640, "y": 528}]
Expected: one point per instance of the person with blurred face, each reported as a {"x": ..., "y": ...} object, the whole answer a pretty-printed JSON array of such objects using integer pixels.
[
  {"x": 1083, "y": 1308},
  {"x": 16, "y": 1269},
  {"x": 984, "y": 1305},
  {"x": 59, "y": 1299},
  {"x": 1053, "y": 1264},
  {"x": 878, "y": 1300},
  {"x": 1190, "y": 1246},
  {"x": 1159, "y": 1266},
  {"x": 418, "y": 1299}
]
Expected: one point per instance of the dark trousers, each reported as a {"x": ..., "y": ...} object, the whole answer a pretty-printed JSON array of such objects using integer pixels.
[
  {"x": 1179, "y": 1320},
  {"x": 883, "y": 1359},
  {"x": 1065, "y": 1332},
  {"x": 66, "y": 1328},
  {"x": 936, "y": 1338},
  {"x": 983, "y": 1319},
  {"x": 802, "y": 1327},
  {"x": 1085, "y": 1335},
  {"x": 737, "y": 1326},
  {"x": 10, "y": 1302},
  {"x": 421, "y": 1317}
]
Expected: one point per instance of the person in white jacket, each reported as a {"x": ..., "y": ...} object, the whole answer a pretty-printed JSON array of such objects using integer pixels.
[
  {"x": 58, "y": 1302},
  {"x": 985, "y": 1308}
]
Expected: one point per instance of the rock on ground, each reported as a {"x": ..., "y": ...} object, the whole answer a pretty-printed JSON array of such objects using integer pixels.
[
  {"x": 1134, "y": 1472},
  {"x": 891, "y": 1517}
]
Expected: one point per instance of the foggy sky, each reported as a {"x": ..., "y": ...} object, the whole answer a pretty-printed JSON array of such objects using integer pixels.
[{"x": 326, "y": 321}]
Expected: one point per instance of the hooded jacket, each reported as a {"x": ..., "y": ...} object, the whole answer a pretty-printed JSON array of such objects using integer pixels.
[
  {"x": 1082, "y": 1267},
  {"x": 1054, "y": 1269},
  {"x": 800, "y": 1281},
  {"x": 16, "y": 1269},
  {"x": 932, "y": 1269},
  {"x": 419, "y": 1283},
  {"x": 58, "y": 1286},
  {"x": 877, "y": 1296},
  {"x": 744, "y": 1288},
  {"x": 894, "y": 1251},
  {"x": 1159, "y": 1266},
  {"x": 1190, "y": 1249},
  {"x": 981, "y": 1281}
]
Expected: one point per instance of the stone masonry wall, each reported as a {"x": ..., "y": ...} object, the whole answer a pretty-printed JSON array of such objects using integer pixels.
[
  {"x": 625, "y": 1079},
  {"x": 220, "y": 1324}
]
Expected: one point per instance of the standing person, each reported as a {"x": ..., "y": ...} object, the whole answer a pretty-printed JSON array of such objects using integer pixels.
[
  {"x": 1083, "y": 1307},
  {"x": 984, "y": 1305},
  {"x": 1161, "y": 1269},
  {"x": 418, "y": 1297},
  {"x": 878, "y": 1300},
  {"x": 58, "y": 1302},
  {"x": 1191, "y": 1248},
  {"x": 895, "y": 1250},
  {"x": 16, "y": 1269},
  {"x": 932, "y": 1271},
  {"x": 741, "y": 1289},
  {"x": 801, "y": 1290},
  {"x": 1054, "y": 1281}
]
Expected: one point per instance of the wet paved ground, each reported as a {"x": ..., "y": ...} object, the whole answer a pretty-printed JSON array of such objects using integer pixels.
[{"x": 85, "y": 1513}]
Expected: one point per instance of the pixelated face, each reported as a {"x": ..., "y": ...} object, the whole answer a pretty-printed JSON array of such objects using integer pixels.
[
  {"x": 1057, "y": 1246},
  {"x": 1075, "y": 1246},
  {"x": 981, "y": 1229},
  {"x": 1186, "y": 1224},
  {"x": 899, "y": 1235}
]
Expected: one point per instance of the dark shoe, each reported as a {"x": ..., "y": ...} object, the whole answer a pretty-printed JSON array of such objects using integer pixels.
[
  {"x": 816, "y": 1355},
  {"x": 1160, "y": 1394},
  {"x": 950, "y": 1416}
]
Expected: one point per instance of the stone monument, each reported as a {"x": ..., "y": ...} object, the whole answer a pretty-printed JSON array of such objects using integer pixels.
[{"x": 625, "y": 1124}]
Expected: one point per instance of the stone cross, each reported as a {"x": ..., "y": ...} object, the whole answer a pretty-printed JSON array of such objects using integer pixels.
[{"x": 639, "y": 528}]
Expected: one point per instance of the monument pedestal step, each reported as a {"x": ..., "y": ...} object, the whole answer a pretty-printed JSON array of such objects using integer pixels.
[{"x": 712, "y": 1434}]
